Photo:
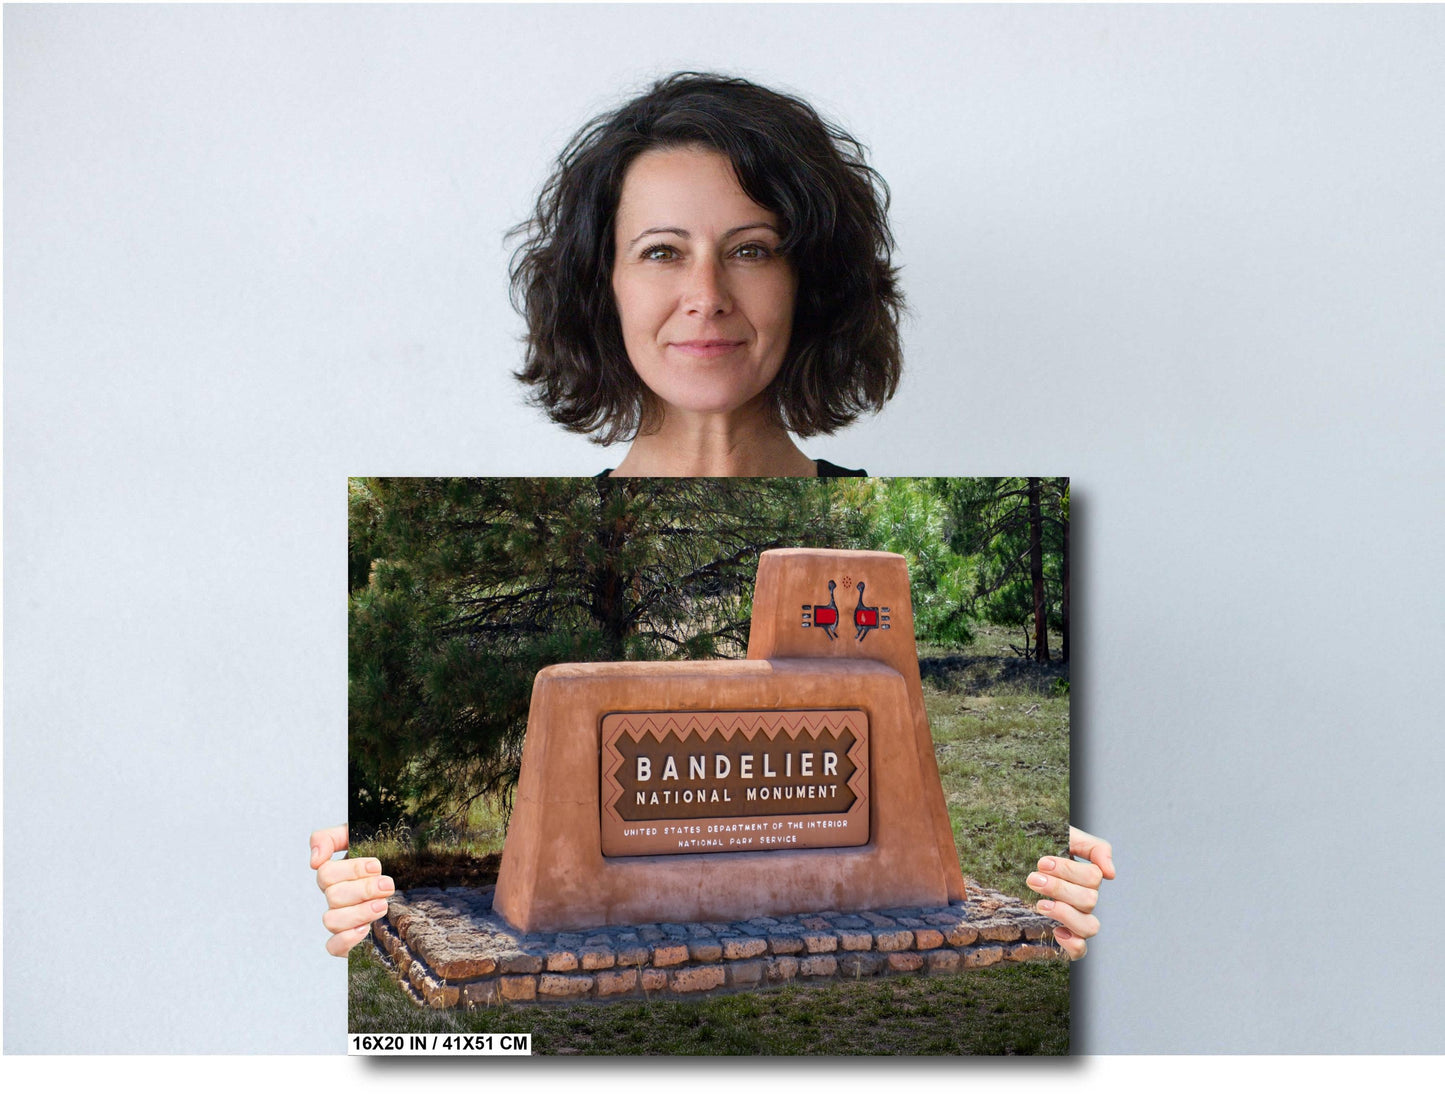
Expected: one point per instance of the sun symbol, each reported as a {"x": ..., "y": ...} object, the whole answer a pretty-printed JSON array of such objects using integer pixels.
[{"x": 847, "y": 581}]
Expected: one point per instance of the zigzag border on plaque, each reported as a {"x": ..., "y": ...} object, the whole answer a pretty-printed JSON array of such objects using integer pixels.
[
  {"x": 706, "y": 724},
  {"x": 730, "y": 724}
]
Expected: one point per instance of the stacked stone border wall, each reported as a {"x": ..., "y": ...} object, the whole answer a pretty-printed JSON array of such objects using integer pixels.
[{"x": 450, "y": 949}]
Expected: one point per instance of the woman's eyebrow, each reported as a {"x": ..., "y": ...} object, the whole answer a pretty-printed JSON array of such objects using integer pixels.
[
  {"x": 682, "y": 233},
  {"x": 752, "y": 225}
]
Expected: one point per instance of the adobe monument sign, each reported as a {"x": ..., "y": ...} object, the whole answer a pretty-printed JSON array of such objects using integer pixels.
[
  {"x": 801, "y": 779},
  {"x": 690, "y": 826}
]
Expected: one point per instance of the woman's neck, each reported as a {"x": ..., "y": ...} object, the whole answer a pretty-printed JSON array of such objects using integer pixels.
[{"x": 735, "y": 444}]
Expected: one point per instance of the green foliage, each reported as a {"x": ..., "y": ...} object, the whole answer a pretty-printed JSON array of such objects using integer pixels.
[
  {"x": 463, "y": 589},
  {"x": 992, "y": 524},
  {"x": 908, "y": 516}
]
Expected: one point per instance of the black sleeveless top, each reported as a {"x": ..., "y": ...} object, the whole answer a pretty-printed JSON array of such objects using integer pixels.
[{"x": 825, "y": 470}]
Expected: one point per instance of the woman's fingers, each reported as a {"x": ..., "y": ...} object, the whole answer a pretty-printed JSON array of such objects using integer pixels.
[
  {"x": 339, "y": 870},
  {"x": 350, "y": 892},
  {"x": 1075, "y": 927},
  {"x": 1075, "y": 871},
  {"x": 1072, "y": 889},
  {"x": 355, "y": 889},
  {"x": 1079, "y": 924},
  {"x": 1076, "y": 947},
  {"x": 343, "y": 918},
  {"x": 326, "y": 842},
  {"x": 1097, "y": 851},
  {"x": 342, "y": 943},
  {"x": 1081, "y": 898}
]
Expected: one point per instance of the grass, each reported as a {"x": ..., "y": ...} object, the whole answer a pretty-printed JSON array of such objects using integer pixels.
[
  {"x": 1001, "y": 733},
  {"x": 1018, "y": 1009},
  {"x": 1001, "y": 736}
]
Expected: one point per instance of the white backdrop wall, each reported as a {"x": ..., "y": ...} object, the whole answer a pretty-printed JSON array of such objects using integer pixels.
[{"x": 1192, "y": 256}]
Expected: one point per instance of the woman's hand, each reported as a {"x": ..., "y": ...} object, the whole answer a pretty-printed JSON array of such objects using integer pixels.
[
  {"x": 355, "y": 889},
  {"x": 1073, "y": 889}
]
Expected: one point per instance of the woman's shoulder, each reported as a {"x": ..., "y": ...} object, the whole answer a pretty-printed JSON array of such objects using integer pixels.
[
  {"x": 825, "y": 470},
  {"x": 832, "y": 470}
]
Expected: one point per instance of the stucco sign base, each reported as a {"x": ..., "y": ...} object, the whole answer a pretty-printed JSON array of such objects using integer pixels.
[
  {"x": 555, "y": 876},
  {"x": 800, "y": 780},
  {"x": 450, "y": 948}
]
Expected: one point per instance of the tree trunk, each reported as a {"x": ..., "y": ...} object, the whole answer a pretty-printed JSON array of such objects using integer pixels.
[
  {"x": 1036, "y": 571},
  {"x": 609, "y": 584},
  {"x": 1066, "y": 508}
]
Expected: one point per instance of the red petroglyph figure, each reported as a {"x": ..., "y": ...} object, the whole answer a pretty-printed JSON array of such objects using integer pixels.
[
  {"x": 824, "y": 617},
  {"x": 867, "y": 618}
]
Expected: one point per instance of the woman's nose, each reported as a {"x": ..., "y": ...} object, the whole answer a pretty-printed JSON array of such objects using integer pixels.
[{"x": 707, "y": 289}]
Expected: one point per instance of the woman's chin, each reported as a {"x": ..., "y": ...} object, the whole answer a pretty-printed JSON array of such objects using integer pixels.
[{"x": 702, "y": 404}]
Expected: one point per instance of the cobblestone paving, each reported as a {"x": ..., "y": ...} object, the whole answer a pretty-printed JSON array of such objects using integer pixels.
[{"x": 449, "y": 949}]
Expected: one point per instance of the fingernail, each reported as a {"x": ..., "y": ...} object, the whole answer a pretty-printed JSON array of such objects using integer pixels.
[
  {"x": 1046, "y": 904},
  {"x": 385, "y": 883},
  {"x": 378, "y": 907},
  {"x": 1038, "y": 882},
  {"x": 315, "y": 854},
  {"x": 373, "y": 867},
  {"x": 1046, "y": 864},
  {"x": 1062, "y": 934}
]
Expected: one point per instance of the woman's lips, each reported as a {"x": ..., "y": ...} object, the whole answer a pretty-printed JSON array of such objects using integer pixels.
[{"x": 706, "y": 349}]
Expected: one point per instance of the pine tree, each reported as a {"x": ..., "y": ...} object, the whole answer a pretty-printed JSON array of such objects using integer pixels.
[
  {"x": 912, "y": 517},
  {"x": 462, "y": 589},
  {"x": 1018, "y": 528}
]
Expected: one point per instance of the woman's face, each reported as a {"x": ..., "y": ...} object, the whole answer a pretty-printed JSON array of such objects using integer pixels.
[{"x": 705, "y": 300}]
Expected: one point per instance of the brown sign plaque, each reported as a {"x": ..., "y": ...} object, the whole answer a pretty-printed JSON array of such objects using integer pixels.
[{"x": 677, "y": 783}]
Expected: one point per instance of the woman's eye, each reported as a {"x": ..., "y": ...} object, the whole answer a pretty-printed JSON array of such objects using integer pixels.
[
  {"x": 659, "y": 253},
  {"x": 753, "y": 252}
]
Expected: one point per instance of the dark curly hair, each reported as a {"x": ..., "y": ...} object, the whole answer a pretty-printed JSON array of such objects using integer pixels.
[{"x": 844, "y": 355}]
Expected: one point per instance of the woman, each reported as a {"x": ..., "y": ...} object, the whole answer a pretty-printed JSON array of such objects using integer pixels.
[{"x": 707, "y": 275}]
